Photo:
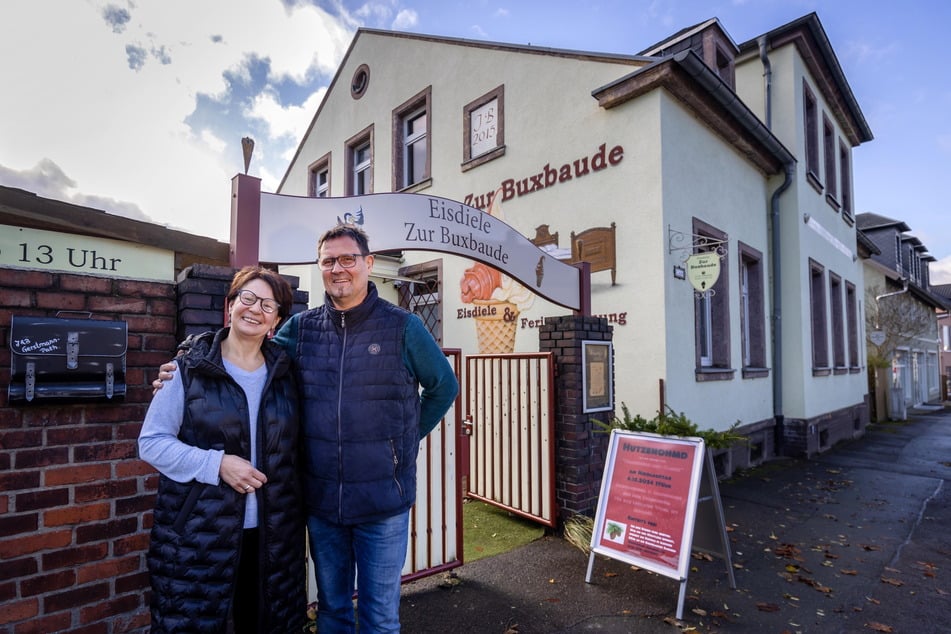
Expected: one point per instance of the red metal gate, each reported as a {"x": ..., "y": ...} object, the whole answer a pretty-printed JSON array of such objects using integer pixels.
[{"x": 510, "y": 414}]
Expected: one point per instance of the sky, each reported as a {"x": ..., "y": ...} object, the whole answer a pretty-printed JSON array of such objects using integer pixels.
[{"x": 138, "y": 107}]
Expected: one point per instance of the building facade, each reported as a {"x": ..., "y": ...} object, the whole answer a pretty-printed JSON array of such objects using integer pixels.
[
  {"x": 944, "y": 333},
  {"x": 902, "y": 319},
  {"x": 697, "y": 146}
]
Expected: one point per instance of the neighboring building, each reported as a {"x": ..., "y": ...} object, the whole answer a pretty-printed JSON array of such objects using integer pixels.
[
  {"x": 901, "y": 321},
  {"x": 22, "y": 211},
  {"x": 634, "y": 163},
  {"x": 944, "y": 338}
]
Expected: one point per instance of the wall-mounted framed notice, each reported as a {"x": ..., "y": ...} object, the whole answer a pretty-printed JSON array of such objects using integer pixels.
[{"x": 597, "y": 373}]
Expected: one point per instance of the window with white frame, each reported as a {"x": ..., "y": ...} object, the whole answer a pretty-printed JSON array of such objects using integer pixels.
[
  {"x": 359, "y": 178},
  {"x": 932, "y": 361},
  {"x": 852, "y": 321},
  {"x": 811, "y": 131},
  {"x": 319, "y": 182},
  {"x": 412, "y": 149},
  {"x": 845, "y": 181},
  {"x": 828, "y": 146},
  {"x": 898, "y": 252},
  {"x": 838, "y": 322},
  {"x": 752, "y": 311},
  {"x": 712, "y": 309},
  {"x": 817, "y": 310}
]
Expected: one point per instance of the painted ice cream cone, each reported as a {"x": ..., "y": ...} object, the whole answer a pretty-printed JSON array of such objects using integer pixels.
[
  {"x": 496, "y": 298},
  {"x": 495, "y": 326}
]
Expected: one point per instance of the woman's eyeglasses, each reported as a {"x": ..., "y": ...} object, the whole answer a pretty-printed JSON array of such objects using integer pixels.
[
  {"x": 347, "y": 261},
  {"x": 250, "y": 299}
]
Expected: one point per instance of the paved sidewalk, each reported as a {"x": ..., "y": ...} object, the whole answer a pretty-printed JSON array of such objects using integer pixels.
[{"x": 855, "y": 540}]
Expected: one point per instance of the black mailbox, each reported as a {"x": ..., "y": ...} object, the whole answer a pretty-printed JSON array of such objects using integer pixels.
[{"x": 58, "y": 358}]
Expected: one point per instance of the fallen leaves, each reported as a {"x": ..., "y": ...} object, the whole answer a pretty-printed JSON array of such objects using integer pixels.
[
  {"x": 788, "y": 551},
  {"x": 815, "y": 584},
  {"x": 762, "y": 606},
  {"x": 928, "y": 569},
  {"x": 879, "y": 627},
  {"x": 893, "y": 582}
]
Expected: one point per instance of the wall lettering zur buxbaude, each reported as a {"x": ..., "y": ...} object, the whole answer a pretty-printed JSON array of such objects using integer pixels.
[{"x": 549, "y": 176}]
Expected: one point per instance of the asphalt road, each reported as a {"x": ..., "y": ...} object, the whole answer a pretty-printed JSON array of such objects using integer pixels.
[{"x": 856, "y": 540}]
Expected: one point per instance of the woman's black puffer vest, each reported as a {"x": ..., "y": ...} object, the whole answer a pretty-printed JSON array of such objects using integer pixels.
[{"x": 197, "y": 529}]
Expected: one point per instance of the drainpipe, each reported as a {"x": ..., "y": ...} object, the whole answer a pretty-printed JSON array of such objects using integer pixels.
[
  {"x": 904, "y": 289},
  {"x": 720, "y": 91},
  {"x": 779, "y": 431},
  {"x": 767, "y": 81}
]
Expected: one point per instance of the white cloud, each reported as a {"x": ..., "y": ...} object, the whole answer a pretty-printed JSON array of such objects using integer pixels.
[
  {"x": 84, "y": 120},
  {"x": 940, "y": 272},
  {"x": 406, "y": 19},
  {"x": 208, "y": 138},
  {"x": 285, "y": 121},
  {"x": 863, "y": 52}
]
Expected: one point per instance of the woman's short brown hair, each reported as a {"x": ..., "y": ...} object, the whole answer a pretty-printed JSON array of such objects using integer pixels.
[{"x": 283, "y": 294}]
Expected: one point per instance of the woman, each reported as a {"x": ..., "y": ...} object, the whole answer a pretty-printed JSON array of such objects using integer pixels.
[{"x": 228, "y": 533}]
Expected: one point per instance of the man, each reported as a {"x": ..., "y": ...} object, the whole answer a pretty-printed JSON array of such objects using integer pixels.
[{"x": 360, "y": 363}]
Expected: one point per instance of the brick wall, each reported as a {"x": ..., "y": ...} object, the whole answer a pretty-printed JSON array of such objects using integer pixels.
[
  {"x": 75, "y": 500},
  {"x": 580, "y": 451},
  {"x": 73, "y": 495}
]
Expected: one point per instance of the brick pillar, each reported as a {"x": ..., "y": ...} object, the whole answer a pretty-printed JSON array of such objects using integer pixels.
[
  {"x": 580, "y": 448},
  {"x": 201, "y": 297}
]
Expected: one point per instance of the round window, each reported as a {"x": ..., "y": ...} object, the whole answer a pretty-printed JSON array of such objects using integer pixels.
[{"x": 361, "y": 78}]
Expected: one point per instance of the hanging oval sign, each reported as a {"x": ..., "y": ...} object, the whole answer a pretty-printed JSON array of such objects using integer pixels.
[{"x": 703, "y": 270}]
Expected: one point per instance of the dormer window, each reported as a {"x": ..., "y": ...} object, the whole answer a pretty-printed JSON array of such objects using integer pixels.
[
  {"x": 898, "y": 253},
  {"x": 724, "y": 67}
]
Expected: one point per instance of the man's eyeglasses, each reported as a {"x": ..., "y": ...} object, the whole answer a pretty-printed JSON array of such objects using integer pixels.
[
  {"x": 347, "y": 261},
  {"x": 250, "y": 299}
]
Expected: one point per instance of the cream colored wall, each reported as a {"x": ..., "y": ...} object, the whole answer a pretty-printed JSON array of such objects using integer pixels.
[
  {"x": 673, "y": 168},
  {"x": 706, "y": 179},
  {"x": 550, "y": 118},
  {"x": 805, "y": 395}
]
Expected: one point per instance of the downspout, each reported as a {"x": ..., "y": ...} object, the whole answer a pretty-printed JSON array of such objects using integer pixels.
[
  {"x": 789, "y": 168},
  {"x": 720, "y": 91},
  {"x": 767, "y": 81},
  {"x": 779, "y": 431}
]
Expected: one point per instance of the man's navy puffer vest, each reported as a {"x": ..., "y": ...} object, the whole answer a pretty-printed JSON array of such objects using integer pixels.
[
  {"x": 361, "y": 412},
  {"x": 197, "y": 528}
]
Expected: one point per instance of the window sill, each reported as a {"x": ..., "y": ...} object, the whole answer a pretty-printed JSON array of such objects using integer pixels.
[
  {"x": 854, "y": 370},
  {"x": 755, "y": 373},
  {"x": 483, "y": 158},
  {"x": 848, "y": 218},
  {"x": 714, "y": 374},
  {"x": 840, "y": 370},
  {"x": 813, "y": 180},
  {"x": 415, "y": 187},
  {"x": 821, "y": 371},
  {"x": 833, "y": 203}
]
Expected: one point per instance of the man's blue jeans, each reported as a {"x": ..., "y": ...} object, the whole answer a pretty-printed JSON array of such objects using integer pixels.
[{"x": 374, "y": 554}]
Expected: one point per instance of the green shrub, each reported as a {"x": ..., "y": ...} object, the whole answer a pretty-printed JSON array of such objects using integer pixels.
[{"x": 670, "y": 423}]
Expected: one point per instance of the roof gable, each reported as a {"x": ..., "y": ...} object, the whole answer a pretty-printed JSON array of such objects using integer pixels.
[{"x": 810, "y": 39}]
